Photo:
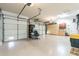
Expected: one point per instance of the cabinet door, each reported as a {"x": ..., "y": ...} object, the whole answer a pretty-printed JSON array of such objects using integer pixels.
[{"x": 52, "y": 29}]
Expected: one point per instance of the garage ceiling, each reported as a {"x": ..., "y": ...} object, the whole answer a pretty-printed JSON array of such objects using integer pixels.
[{"x": 48, "y": 9}]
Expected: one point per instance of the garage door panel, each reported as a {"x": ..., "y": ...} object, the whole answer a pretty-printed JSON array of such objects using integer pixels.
[
  {"x": 22, "y": 27},
  {"x": 10, "y": 37},
  {"x": 10, "y": 27},
  {"x": 22, "y": 31},
  {"x": 21, "y": 36},
  {"x": 10, "y": 31},
  {"x": 9, "y": 21},
  {"x": 22, "y": 22}
]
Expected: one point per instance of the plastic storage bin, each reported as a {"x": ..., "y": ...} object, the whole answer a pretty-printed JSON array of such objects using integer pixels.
[{"x": 74, "y": 39}]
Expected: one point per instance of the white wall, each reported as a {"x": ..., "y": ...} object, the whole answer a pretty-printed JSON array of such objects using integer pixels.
[
  {"x": 10, "y": 26},
  {"x": 71, "y": 27}
]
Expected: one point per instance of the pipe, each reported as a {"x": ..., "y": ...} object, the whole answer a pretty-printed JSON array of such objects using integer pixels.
[
  {"x": 2, "y": 18},
  {"x": 21, "y": 10},
  {"x": 27, "y": 4},
  {"x": 18, "y": 20},
  {"x": 37, "y": 14},
  {"x": 6, "y": 15}
]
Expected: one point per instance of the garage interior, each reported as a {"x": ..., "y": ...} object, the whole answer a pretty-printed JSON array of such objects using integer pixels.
[{"x": 38, "y": 29}]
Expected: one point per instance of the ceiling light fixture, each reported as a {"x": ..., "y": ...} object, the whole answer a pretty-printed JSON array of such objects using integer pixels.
[{"x": 29, "y": 4}]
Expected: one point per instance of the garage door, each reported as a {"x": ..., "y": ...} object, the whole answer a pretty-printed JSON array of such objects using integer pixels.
[{"x": 10, "y": 28}]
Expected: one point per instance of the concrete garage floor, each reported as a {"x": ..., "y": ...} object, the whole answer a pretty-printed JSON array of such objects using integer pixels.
[{"x": 48, "y": 45}]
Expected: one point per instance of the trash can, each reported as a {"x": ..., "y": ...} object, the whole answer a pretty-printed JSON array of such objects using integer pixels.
[{"x": 74, "y": 40}]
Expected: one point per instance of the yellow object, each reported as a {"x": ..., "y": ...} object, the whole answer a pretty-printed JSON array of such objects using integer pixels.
[{"x": 75, "y": 36}]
